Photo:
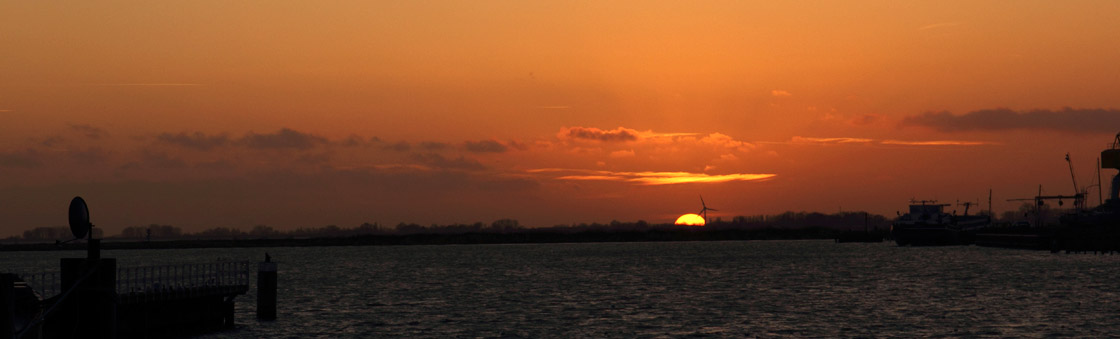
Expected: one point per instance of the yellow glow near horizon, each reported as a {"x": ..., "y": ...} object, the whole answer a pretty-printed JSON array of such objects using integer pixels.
[{"x": 690, "y": 220}]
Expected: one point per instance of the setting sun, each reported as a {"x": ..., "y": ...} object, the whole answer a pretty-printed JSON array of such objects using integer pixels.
[{"x": 690, "y": 220}]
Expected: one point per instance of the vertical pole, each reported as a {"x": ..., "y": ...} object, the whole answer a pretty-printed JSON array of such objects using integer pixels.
[
  {"x": 1038, "y": 207},
  {"x": 266, "y": 289},
  {"x": 93, "y": 248},
  {"x": 1100, "y": 185},
  {"x": 7, "y": 306},
  {"x": 91, "y": 312}
]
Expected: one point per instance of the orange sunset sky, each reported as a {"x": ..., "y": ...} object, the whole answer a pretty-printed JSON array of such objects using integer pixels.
[{"x": 291, "y": 114}]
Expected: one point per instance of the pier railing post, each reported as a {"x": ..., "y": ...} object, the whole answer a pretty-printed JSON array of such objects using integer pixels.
[
  {"x": 92, "y": 311},
  {"x": 266, "y": 290},
  {"x": 7, "y": 306}
]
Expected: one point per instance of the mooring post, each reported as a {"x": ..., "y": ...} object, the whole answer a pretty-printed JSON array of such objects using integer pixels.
[
  {"x": 266, "y": 289},
  {"x": 92, "y": 311},
  {"x": 7, "y": 308}
]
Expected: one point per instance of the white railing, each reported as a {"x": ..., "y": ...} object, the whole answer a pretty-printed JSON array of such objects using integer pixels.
[{"x": 163, "y": 278}]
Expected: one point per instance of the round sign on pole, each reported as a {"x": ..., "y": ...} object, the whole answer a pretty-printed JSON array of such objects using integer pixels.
[{"x": 79, "y": 218}]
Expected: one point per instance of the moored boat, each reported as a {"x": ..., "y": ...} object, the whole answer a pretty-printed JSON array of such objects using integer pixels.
[{"x": 927, "y": 224}]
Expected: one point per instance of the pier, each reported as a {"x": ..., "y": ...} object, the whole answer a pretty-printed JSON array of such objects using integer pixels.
[{"x": 144, "y": 301}]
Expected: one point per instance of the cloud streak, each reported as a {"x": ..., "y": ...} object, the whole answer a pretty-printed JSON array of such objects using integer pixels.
[
  {"x": 827, "y": 141},
  {"x": 196, "y": 140},
  {"x": 440, "y": 162},
  {"x": 485, "y": 146},
  {"x": 23, "y": 159},
  {"x": 150, "y": 84},
  {"x": 620, "y": 134},
  {"x": 650, "y": 178},
  {"x": 934, "y": 143},
  {"x": 1083, "y": 120},
  {"x": 939, "y": 25},
  {"x": 89, "y": 131},
  {"x": 283, "y": 139},
  {"x": 800, "y": 140}
]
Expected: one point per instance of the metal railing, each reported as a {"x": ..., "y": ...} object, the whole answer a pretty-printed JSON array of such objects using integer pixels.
[
  {"x": 46, "y": 284},
  {"x": 167, "y": 278},
  {"x": 154, "y": 279}
]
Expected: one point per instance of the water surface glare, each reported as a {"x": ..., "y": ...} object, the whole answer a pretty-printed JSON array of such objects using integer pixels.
[{"x": 672, "y": 289}]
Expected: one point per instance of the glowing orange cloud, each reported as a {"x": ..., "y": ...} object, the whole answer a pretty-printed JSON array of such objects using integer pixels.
[
  {"x": 934, "y": 143},
  {"x": 847, "y": 140},
  {"x": 842, "y": 140},
  {"x": 655, "y": 178}
]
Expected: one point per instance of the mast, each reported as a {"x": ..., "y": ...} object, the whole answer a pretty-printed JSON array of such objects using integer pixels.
[
  {"x": 1100, "y": 191},
  {"x": 990, "y": 215},
  {"x": 1038, "y": 207},
  {"x": 1076, "y": 190}
]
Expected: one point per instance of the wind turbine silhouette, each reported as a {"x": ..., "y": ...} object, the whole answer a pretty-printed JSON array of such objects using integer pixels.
[{"x": 705, "y": 209}]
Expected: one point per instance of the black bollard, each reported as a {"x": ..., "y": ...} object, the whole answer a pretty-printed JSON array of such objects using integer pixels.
[{"x": 266, "y": 290}]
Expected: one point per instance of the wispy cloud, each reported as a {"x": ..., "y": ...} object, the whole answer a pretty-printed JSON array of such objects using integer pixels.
[
  {"x": 485, "y": 146},
  {"x": 22, "y": 159},
  {"x": 555, "y": 107},
  {"x": 935, "y": 143},
  {"x": 651, "y": 178},
  {"x": 433, "y": 146},
  {"x": 196, "y": 140},
  {"x": 89, "y": 131},
  {"x": 620, "y": 134},
  {"x": 400, "y": 146},
  {"x": 438, "y": 161},
  {"x": 283, "y": 139},
  {"x": 780, "y": 93},
  {"x": 631, "y": 136},
  {"x": 939, "y": 25},
  {"x": 1080, "y": 120},
  {"x": 840, "y": 140},
  {"x": 149, "y": 84},
  {"x": 800, "y": 140},
  {"x": 625, "y": 153}
]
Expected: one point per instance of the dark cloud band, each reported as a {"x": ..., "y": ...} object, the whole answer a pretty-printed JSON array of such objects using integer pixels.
[
  {"x": 591, "y": 133},
  {"x": 1092, "y": 120},
  {"x": 485, "y": 146}
]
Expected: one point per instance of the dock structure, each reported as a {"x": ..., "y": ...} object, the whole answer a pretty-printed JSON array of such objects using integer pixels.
[
  {"x": 143, "y": 301},
  {"x": 188, "y": 297}
]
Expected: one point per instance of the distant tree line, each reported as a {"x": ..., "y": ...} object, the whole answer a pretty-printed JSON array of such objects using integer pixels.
[
  {"x": 50, "y": 234},
  {"x": 784, "y": 221}
]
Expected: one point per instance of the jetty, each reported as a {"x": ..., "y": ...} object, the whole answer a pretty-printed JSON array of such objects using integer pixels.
[{"x": 143, "y": 301}]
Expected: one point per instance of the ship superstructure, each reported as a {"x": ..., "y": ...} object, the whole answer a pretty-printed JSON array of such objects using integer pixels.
[{"x": 927, "y": 223}]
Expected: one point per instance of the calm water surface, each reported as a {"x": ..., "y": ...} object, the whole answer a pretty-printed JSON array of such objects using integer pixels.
[{"x": 679, "y": 289}]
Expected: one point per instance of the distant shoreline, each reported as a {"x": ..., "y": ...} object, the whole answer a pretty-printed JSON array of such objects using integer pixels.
[{"x": 455, "y": 239}]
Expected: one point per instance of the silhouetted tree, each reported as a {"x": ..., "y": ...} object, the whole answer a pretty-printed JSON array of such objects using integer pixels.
[
  {"x": 505, "y": 225},
  {"x": 263, "y": 231},
  {"x": 48, "y": 233},
  {"x": 162, "y": 232}
]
